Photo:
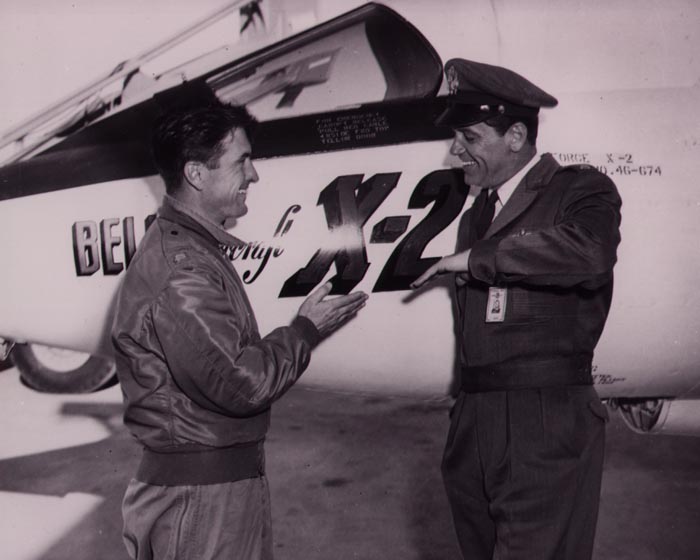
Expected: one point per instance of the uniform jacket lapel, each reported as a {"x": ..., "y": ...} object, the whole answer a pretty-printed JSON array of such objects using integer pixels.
[
  {"x": 524, "y": 194},
  {"x": 522, "y": 198}
]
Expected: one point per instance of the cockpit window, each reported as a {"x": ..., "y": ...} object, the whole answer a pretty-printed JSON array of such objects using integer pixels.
[{"x": 367, "y": 56}]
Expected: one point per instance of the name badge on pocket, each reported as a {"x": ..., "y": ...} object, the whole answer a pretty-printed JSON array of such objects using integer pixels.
[{"x": 496, "y": 305}]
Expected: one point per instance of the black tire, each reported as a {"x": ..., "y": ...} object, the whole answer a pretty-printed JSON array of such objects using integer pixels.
[{"x": 36, "y": 372}]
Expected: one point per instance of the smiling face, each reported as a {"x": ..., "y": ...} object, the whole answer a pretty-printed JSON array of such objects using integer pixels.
[
  {"x": 485, "y": 155},
  {"x": 225, "y": 184},
  {"x": 489, "y": 159}
]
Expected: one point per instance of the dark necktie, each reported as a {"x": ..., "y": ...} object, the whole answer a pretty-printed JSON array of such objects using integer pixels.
[{"x": 484, "y": 210}]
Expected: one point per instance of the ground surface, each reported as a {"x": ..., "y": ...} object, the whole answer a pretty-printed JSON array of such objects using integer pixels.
[{"x": 351, "y": 477}]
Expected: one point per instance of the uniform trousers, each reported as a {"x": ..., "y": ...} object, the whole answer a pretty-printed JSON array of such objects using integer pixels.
[
  {"x": 522, "y": 470},
  {"x": 229, "y": 521}
]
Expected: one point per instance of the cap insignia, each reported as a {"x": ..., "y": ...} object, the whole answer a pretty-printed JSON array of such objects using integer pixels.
[{"x": 452, "y": 80}]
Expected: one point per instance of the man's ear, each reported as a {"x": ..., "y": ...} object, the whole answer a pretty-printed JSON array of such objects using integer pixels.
[
  {"x": 517, "y": 136},
  {"x": 195, "y": 173}
]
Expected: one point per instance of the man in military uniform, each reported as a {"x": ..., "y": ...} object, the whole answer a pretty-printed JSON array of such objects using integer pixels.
[{"x": 534, "y": 277}]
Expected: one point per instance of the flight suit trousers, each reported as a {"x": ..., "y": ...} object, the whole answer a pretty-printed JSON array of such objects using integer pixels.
[
  {"x": 229, "y": 521},
  {"x": 522, "y": 471}
]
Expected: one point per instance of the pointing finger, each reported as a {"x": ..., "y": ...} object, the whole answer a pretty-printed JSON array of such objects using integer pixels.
[{"x": 423, "y": 278}]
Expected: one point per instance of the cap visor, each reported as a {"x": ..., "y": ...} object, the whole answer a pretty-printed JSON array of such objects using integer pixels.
[{"x": 461, "y": 115}]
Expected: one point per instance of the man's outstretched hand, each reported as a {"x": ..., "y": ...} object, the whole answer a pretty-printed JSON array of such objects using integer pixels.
[
  {"x": 459, "y": 262},
  {"x": 329, "y": 314}
]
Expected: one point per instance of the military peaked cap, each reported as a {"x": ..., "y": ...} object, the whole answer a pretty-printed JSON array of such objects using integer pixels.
[{"x": 479, "y": 91}]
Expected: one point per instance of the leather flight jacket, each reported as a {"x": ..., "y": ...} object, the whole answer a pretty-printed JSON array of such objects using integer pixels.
[{"x": 198, "y": 379}]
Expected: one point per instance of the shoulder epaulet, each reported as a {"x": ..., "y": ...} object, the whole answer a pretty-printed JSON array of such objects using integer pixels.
[{"x": 177, "y": 247}]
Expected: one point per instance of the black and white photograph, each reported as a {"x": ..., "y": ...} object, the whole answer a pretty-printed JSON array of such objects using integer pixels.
[{"x": 336, "y": 279}]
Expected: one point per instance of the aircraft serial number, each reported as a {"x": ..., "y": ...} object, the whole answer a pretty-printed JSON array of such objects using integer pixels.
[
  {"x": 612, "y": 163},
  {"x": 641, "y": 170}
]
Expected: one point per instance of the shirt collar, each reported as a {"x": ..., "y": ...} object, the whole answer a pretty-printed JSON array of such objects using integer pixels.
[
  {"x": 211, "y": 227},
  {"x": 506, "y": 189}
]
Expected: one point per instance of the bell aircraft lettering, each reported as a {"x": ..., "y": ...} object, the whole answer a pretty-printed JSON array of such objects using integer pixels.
[
  {"x": 348, "y": 203},
  {"x": 94, "y": 245},
  {"x": 260, "y": 251},
  {"x": 91, "y": 241}
]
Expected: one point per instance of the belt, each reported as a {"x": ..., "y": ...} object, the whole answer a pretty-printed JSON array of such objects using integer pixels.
[
  {"x": 199, "y": 467},
  {"x": 558, "y": 372}
]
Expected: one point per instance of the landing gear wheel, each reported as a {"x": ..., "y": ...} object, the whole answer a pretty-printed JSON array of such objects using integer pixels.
[{"x": 54, "y": 370}]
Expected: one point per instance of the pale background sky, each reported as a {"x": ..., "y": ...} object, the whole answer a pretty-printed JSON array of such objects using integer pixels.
[{"x": 51, "y": 48}]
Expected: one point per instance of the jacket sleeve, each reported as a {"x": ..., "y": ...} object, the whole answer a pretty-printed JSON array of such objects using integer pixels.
[
  {"x": 579, "y": 249},
  {"x": 213, "y": 353}
]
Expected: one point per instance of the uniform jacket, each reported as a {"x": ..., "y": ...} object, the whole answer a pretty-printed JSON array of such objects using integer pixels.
[
  {"x": 193, "y": 368},
  {"x": 553, "y": 247}
]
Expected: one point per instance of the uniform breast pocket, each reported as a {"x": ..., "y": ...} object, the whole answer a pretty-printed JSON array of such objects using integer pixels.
[{"x": 533, "y": 306}]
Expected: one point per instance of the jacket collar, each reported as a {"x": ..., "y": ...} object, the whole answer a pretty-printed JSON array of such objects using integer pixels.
[
  {"x": 525, "y": 193},
  {"x": 182, "y": 214}
]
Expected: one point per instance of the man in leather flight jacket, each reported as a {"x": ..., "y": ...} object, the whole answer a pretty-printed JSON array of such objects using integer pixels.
[
  {"x": 524, "y": 453},
  {"x": 197, "y": 377}
]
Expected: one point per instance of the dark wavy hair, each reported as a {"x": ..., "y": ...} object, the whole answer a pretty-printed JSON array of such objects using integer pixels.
[
  {"x": 503, "y": 122},
  {"x": 195, "y": 134}
]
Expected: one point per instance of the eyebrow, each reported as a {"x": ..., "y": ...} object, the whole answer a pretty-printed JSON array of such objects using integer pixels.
[{"x": 469, "y": 131}]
